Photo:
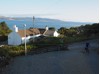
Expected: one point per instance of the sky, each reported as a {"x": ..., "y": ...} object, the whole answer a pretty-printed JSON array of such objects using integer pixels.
[{"x": 67, "y": 10}]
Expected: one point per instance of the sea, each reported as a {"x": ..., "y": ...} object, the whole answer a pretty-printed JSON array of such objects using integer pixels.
[{"x": 41, "y": 24}]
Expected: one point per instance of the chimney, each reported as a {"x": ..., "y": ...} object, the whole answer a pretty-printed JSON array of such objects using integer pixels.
[
  {"x": 46, "y": 28},
  {"x": 15, "y": 28}
]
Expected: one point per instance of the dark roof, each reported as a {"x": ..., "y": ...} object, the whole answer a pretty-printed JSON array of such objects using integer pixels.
[
  {"x": 41, "y": 30},
  {"x": 49, "y": 32},
  {"x": 28, "y": 32}
]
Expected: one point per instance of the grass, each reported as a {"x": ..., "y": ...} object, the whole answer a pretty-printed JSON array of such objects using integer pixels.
[{"x": 13, "y": 51}]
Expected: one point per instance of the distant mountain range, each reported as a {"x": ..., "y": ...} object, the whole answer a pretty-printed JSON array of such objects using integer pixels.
[
  {"x": 40, "y": 22},
  {"x": 36, "y": 19}
]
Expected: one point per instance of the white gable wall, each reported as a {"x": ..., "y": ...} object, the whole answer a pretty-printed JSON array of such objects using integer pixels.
[
  {"x": 56, "y": 34},
  {"x": 14, "y": 39}
]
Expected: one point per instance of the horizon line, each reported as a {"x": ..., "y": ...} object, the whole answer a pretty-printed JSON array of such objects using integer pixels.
[{"x": 22, "y": 16}]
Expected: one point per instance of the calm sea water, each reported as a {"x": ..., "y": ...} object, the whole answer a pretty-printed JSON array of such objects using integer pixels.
[{"x": 40, "y": 24}]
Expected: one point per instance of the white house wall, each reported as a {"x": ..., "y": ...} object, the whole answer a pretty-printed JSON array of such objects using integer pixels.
[
  {"x": 56, "y": 34},
  {"x": 14, "y": 39}
]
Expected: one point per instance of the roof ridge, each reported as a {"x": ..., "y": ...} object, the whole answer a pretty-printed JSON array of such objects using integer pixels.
[{"x": 44, "y": 32}]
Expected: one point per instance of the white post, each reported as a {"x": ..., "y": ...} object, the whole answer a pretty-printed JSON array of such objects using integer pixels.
[{"x": 25, "y": 39}]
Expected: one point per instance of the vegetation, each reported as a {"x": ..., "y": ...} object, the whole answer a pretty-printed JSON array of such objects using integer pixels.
[
  {"x": 12, "y": 51},
  {"x": 4, "y": 29},
  {"x": 49, "y": 44},
  {"x": 89, "y": 30},
  {"x": 51, "y": 28},
  {"x": 46, "y": 41}
]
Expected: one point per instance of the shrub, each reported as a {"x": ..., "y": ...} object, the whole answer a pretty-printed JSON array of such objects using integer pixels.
[
  {"x": 15, "y": 50},
  {"x": 4, "y": 52}
]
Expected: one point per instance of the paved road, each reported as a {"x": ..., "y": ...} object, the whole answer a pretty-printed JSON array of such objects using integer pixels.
[{"x": 73, "y": 61}]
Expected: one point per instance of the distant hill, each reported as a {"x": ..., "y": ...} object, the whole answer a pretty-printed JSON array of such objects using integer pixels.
[{"x": 39, "y": 22}]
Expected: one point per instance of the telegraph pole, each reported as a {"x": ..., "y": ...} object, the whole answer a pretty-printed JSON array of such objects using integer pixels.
[
  {"x": 33, "y": 21},
  {"x": 33, "y": 27},
  {"x": 25, "y": 39}
]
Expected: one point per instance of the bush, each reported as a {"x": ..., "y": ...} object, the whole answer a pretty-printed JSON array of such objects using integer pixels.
[
  {"x": 4, "y": 52},
  {"x": 13, "y": 51},
  {"x": 47, "y": 41}
]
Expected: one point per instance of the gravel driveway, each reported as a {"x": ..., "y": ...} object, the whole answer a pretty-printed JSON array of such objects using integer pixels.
[{"x": 74, "y": 61}]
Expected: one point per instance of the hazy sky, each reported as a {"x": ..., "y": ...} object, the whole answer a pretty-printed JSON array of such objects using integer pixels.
[{"x": 67, "y": 10}]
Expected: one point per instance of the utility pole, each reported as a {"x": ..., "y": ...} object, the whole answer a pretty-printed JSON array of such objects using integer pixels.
[
  {"x": 33, "y": 21},
  {"x": 33, "y": 27},
  {"x": 25, "y": 39}
]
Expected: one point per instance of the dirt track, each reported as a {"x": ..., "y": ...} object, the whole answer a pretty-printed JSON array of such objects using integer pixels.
[{"x": 74, "y": 61}]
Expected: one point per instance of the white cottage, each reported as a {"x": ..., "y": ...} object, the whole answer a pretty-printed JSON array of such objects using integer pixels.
[
  {"x": 17, "y": 37},
  {"x": 47, "y": 32},
  {"x": 51, "y": 33}
]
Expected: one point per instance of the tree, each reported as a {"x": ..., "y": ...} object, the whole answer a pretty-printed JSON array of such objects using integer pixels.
[
  {"x": 95, "y": 28},
  {"x": 86, "y": 30},
  {"x": 62, "y": 30},
  {"x": 4, "y": 29},
  {"x": 68, "y": 32},
  {"x": 71, "y": 32}
]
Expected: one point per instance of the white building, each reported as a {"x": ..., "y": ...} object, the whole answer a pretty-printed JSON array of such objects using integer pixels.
[
  {"x": 48, "y": 32},
  {"x": 17, "y": 37},
  {"x": 51, "y": 33}
]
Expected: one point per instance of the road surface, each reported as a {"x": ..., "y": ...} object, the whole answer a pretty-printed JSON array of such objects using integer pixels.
[{"x": 74, "y": 61}]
